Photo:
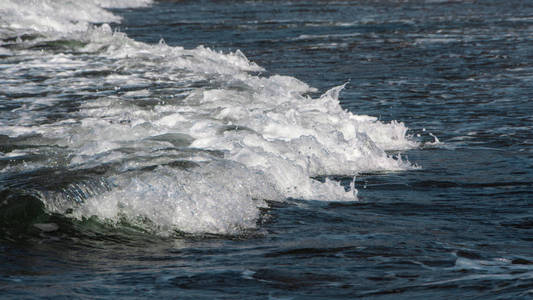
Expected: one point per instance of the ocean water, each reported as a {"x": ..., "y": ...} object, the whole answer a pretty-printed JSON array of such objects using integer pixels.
[{"x": 266, "y": 149}]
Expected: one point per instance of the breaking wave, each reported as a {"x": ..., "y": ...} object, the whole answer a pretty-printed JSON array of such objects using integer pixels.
[{"x": 194, "y": 140}]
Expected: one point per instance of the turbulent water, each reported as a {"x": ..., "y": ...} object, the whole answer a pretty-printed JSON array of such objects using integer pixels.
[{"x": 259, "y": 149}]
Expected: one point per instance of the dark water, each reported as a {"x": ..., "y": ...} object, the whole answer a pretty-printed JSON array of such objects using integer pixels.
[{"x": 459, "y": 227}]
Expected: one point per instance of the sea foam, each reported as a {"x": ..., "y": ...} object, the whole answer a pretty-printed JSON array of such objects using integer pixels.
[{"x": 192, "y": 140}]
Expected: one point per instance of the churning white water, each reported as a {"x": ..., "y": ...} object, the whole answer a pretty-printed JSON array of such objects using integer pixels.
[{"x": 185, "y": 139}]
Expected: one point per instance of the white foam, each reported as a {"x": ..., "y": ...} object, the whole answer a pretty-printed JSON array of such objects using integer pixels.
[
  {"x": 221, "y": 197},
  {"x": 60, "y": 15},
  {"x": 206, "y": 158},
  {"x": 122, "y": 3}
]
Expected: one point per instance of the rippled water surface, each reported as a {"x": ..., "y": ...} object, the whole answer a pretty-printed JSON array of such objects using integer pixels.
[{"x": 266, "y": 149}]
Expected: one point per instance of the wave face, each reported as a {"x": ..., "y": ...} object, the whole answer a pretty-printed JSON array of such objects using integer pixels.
[{"x": 194, "y": 140}]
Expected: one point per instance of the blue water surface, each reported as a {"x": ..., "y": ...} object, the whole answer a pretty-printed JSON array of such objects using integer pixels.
[{"x": 459, "y": 74}]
